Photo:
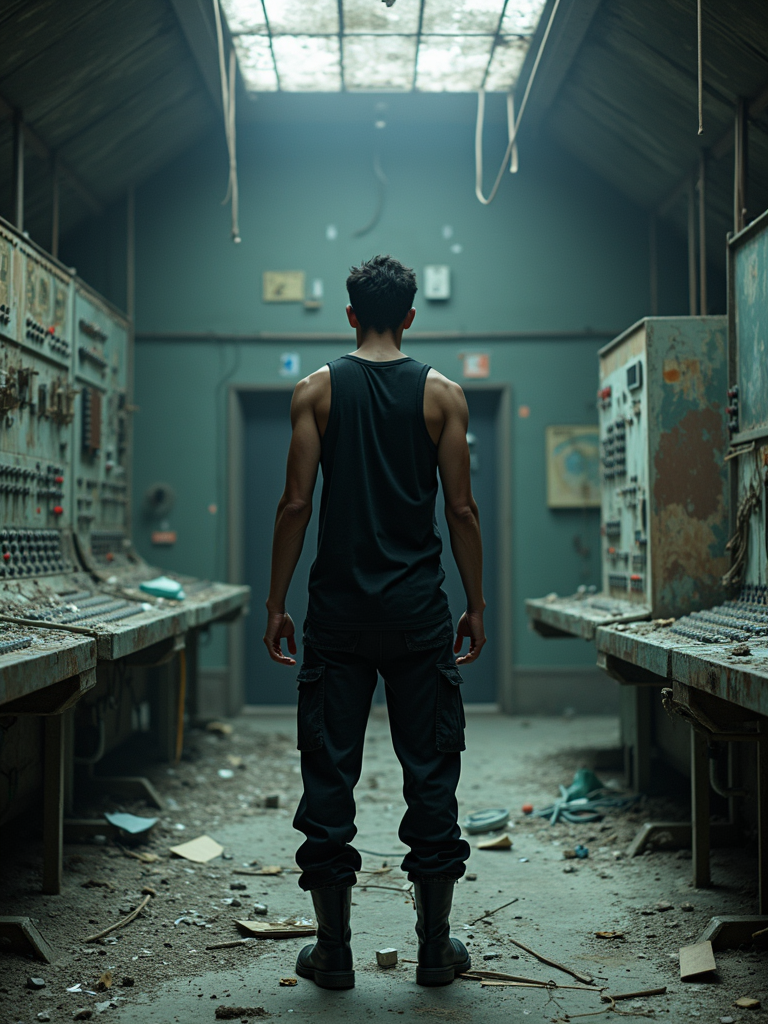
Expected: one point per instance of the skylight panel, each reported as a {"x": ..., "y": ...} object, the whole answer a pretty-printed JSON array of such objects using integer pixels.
[
  {"x": 301, "y": 17},
  {"x": 459, "y": 17},
  {"x": 506, "y": 63},
  {"x": 379, "y": 62},
  {"x": 308, "y": 63},
  {"x": 244, "y": 15},
  {"x": 256, "y": 65},
  {"x": 455, "y": 64},
  {"x": 369, "y": 16},
  {"x": 521, "y": 17}
]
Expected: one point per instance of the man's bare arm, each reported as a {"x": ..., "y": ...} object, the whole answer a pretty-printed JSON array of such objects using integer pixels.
[
  {"x": 462, "y": 515},
  {"x": 294, "y": 511}
]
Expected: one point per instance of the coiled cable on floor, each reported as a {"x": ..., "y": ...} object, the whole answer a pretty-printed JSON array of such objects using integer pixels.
[{"x": 515, "y": 126}]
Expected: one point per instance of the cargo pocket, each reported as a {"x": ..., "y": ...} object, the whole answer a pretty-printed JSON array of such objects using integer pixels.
[
  {"x": 450, "y": 710},
  {"x": 432, "y": 636},
  {"x": 310, "y": 713}
]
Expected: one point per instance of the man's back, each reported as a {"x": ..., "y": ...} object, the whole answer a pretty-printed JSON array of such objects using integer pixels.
[{"x": 378, "y": 559}]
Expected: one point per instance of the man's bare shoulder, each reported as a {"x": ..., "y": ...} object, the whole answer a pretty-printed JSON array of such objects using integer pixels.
[
  {"x": 444, "y": 390},
  {"x": 313, "y": 388}
]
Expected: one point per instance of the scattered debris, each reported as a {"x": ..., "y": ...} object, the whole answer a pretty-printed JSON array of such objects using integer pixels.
[
  {"x": 581, "y": 851},
  {"x": 238, "y": 886},
  {"x": 219, "y": 728},
  {"x": 687, "y": 907},
  {"x": 260, "y": 909},
  {"x": 634, "y": 995},
  {"x": 585, "y": 978},
  {"x": 527, "y": 808},
  {"x": 82, "y": 1014},
  {"x": 199, "y": 850},
  {"x": 696, "y": 960},
  {"x": 238, "y": 1012},
  {"x": 470, "y": 877},
  {"x": 502, "y": 842},
  {"x": 268, "y": 869},
  {"x": 120, "y": 924},
  {"x": 145, "y": 858},
  {"x": 35, "y": 983},
  {"x": 489, "y": 913},
  {"x": 97, "y": 883},
  {"x": 104, "y": 982},
  {"x": 289, "y": 982},
  {"x": 19, "y": 935},
  {"x": 569, "y": 869},
  {"x": 235, "y": 761},
  {"x": 44, "y": 1015},
  {"x": 742, "y": 651},
  {"x": 273, "y": 800},
  {"x": 662, "y": 905},
  {"x": 128, "y": 982},
  {"x": 231, "y": 944},
  {"x": 132, "y": 824},
  {"x": 486, "y": 821},
  {"x": 225, "y": 773},
  {"x": 386, "y": 957},
  {"x": 609, "y": 935},
  {"x": 746, "y": 1003},
  {"x": 278, "y": 929}
]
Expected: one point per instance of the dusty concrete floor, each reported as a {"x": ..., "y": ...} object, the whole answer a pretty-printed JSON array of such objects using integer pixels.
[{"x": 509, "y": 761}]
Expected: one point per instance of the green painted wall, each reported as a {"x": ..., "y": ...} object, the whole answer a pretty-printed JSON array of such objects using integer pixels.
[{"x": 557, "y": 251}]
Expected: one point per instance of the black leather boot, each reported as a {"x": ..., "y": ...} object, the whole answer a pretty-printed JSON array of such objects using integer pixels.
[
  {"x": 329, "y": 962},
  {"x": 441, "y": 958}
]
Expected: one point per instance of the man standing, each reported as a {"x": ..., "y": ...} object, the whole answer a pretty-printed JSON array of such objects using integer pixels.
[{"x": 381, "y": 425}]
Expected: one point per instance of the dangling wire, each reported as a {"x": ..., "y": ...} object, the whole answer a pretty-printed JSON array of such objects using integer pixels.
[
  {"x": 516, "y": 124},
  {"x": 701, "y": 67},
  {"x": 513, "y": 163},
  {"x": 228, "y": 90}
]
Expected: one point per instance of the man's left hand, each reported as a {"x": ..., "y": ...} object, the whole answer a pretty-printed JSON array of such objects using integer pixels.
[{"x": 279, "y": 625}]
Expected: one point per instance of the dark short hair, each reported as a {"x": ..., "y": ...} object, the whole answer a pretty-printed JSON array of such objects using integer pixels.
[{"x": 381, "y": 292}]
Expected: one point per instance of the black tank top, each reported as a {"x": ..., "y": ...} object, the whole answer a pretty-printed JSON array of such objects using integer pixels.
[{"x": 378, "y": 548}]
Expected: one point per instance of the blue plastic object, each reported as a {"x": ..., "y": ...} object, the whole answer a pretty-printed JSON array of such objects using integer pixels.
[
  {"x": 582, "y": 852},
  {"x": 163, "y": 586}
]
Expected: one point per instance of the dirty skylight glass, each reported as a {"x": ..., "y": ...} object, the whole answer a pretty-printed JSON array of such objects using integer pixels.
[{"x": 363, "y": 45}]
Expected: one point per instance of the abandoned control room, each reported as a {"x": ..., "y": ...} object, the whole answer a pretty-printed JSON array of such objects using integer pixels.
[{"x": 194, "y": 195}]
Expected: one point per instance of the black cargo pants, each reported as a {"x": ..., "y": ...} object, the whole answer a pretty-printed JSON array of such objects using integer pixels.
[{"x": 336, "y": 684}]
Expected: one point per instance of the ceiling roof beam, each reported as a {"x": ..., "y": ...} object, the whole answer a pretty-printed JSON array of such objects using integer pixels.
[
  {"x": 565, "y": 39},
  {"x": 721, "y": 148},
  {"x": 36, "y": 144},
  {"x": 198, "y": 27}
]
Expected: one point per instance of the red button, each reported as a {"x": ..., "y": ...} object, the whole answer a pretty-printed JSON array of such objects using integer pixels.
[
  {"x": 7, "y": 556},
  {"x": 51, "y": 330},
  {"x": 57, "y": 510},
  {"x": 59, "y": 479}
]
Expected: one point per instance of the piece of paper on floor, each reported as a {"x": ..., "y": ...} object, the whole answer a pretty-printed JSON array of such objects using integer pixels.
[
  {"x": 130, "y": 822},
  {"x": 697, "y": 959},
  {"x": 199, "y": 850},
  {"x": 271, "y": 930},
  {"x": 502, "y": 842}
]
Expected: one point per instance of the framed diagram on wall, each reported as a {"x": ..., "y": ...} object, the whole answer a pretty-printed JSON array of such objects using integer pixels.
[{"x": 573, "y": 466}]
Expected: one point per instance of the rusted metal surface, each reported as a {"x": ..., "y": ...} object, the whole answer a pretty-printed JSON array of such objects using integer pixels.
[
  {"x": 581, "y": 617},
  {"x": 688, "y": 478},
  {"x": 749, "y": 267},
  {"x": 714, "y": 668},
  {"x": 52, "y": 656}
]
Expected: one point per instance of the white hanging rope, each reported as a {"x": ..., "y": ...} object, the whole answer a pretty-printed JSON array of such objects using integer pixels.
[
  {"x": 513, "y": 163},
  {"x": 228, "y": 90},
  {"x": 515, "y": 127}
]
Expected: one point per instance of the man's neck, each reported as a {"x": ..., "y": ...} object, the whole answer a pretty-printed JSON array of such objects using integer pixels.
[{"x": 379, "y": 348}]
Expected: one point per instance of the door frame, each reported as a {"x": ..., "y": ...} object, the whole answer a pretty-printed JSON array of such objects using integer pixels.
[{"x": 236, "y": 535}]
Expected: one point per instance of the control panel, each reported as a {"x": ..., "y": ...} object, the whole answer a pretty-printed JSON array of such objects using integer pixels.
[
  {"x": 37, "y": 401},
  {"x": 101, "y": 449},
  {"x": 663, "y": 435}
]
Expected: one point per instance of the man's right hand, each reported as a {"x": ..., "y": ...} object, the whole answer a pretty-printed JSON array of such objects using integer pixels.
[
  {"x": 470, "y": 625},
  {"x": 279, "y": 626}
]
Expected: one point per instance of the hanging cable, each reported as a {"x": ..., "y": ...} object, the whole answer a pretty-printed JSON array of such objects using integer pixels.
[
  {"x": 381, "y": 180},
  {"x": 228, "y": 90},
  {"x": 513, "y": 163},
  {"x": 515, "y": 126},
  {"x": 701, "y": 67}
]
